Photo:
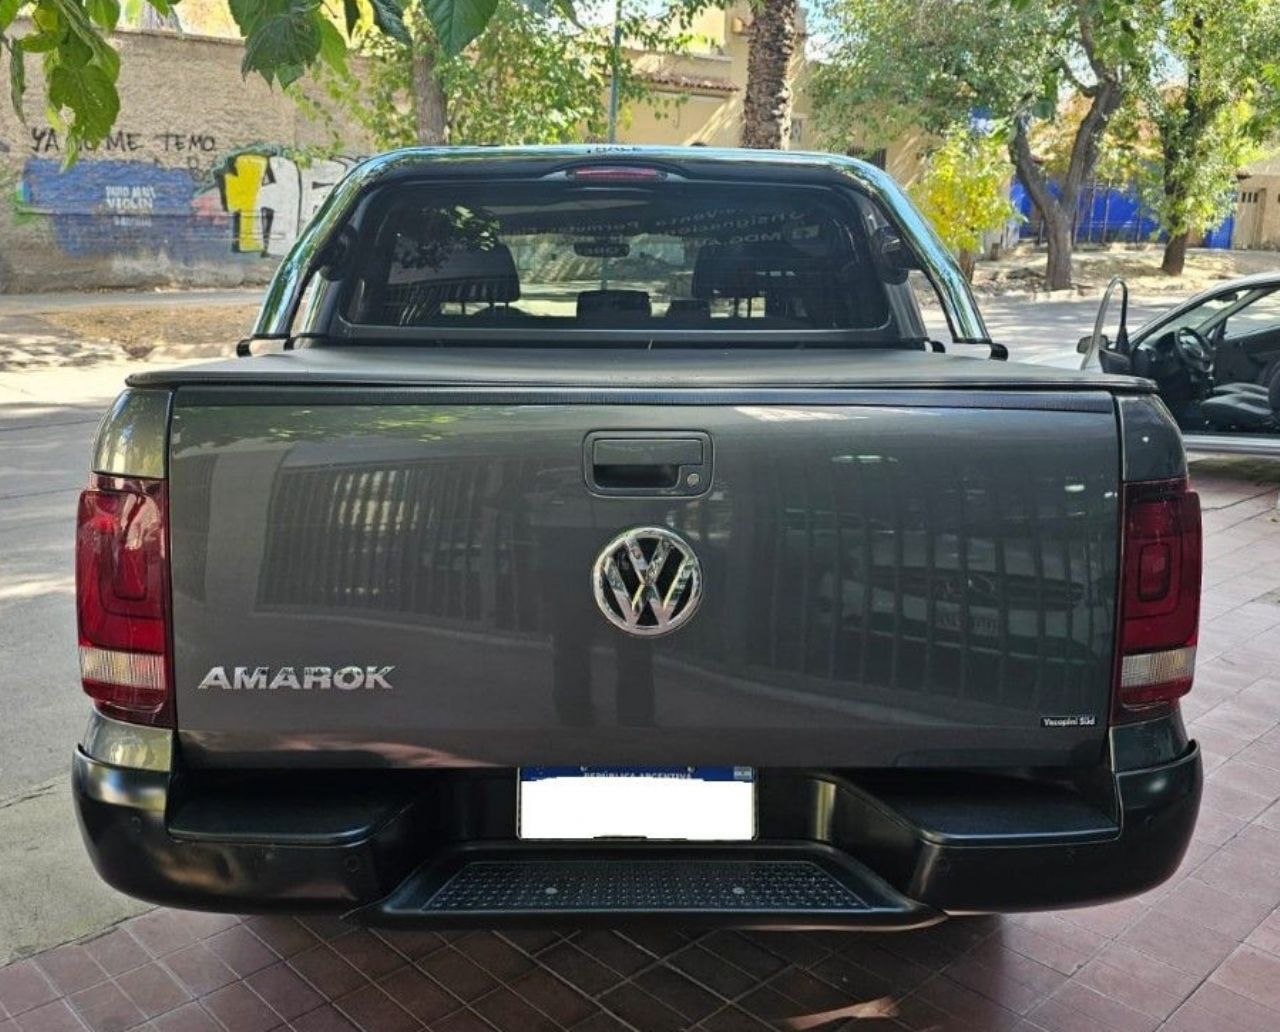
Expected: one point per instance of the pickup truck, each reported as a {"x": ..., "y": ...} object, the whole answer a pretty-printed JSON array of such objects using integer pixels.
[{"x": 606, "y": 538}]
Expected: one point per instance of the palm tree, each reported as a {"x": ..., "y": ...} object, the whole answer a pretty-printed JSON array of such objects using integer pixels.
[{"x": 766, "y": 109}]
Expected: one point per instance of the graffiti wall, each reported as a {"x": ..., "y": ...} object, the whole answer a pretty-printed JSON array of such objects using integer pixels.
[
  {"x": 203, "y": 181},
  {"x": 211, "y": 207}
]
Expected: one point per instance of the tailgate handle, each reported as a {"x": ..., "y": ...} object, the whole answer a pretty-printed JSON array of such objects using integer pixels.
[{"x": 675, "y": 464}]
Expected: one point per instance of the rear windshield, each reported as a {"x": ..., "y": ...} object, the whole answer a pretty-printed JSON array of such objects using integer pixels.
[{"x": 563, "y": 255}]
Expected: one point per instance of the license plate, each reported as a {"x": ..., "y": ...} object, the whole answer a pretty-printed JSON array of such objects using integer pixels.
[{"x": 705, "y": 804}]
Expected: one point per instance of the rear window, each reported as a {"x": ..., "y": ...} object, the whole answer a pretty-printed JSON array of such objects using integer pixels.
[{"x": 565, "y": 255}]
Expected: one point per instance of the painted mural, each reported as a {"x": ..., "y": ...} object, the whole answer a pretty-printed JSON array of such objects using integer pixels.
[
  {"x": 176, "y": 195},
  {"x": 272, "y": 197}
]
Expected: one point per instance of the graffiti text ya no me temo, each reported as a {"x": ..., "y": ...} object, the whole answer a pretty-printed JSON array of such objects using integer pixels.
[{"x": 46, "y": 140}]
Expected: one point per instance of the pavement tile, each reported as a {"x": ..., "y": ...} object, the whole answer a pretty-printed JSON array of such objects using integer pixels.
[
  {"x": 1194, "y": 901},
  {"x": 743, "y": 953},
  {"x": 918, "y": 1015},
  {"x": 1267, "y": 935},
  {"x": 963, "y": 1003},
  {"x": 284, "y": 990},
  {"x": 1234, "y": 872},
  {"x": 494, "y": 954},
  {"x": 408, "y": 943},
  {"x": 153, "y": 990},
  {"x": 633, "y": 1005},
  {"x": 458, "y": 974},
  {"x": 1234, "y": 802},
  {"x": 372, "y": 1010},
  {"x": 1106, "y": 1011},
  {"x": 508, "y": 1012},
  {"x": 612, "y": 950},
  {"x": 555, "y": 998},
  {"x": 463, "y": 1021},
  {"x": 657, "y": 941},
  {"x": 851, "y": 978},
  {"x": 117, "y": 951},
  {"x": 70, "y": 968},
  {"x": 1006, "y": 977},
  {"x": 241, "y": 950},
  {"x": 1253, "y": 974},
  {"x": 189, "y": 1018},
  {"x": 728, "y": 1019},
  {"x": 199, "y": 970},
  {"x": 161, "y": 931},
  {"x": 578, "y": 969},
  {"x": 368, "y": 954},
  {"x": 1214, "y": 1008},
  {"x": 324, "y": 1019},
  {"x": 23, "y": 987},
  {"x": 327, "y": 926},
  {"x": 50, "y": 1017},
  {"x": 1108, "y": 920},
  {"x": 680, "y": 992},
  {"x": 326, "y": 971},
  {"x": 1179, "y": 944},
  {"x": 241, "y": 1009},
  {"x": 869, "y": 953},
  {"x": 287, "y": 936},
  {"x": 104, "y": 1008},
  {"x": 1051, "y": 952},
  {"x": 713, "y": 972},
  {"x": 420, "y": 995}
]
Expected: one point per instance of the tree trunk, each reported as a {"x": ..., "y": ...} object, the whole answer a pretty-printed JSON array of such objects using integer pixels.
[
  {"x": 1175, "y": 254},
  {"x": 430, "y": 106},
  {"x": 1055, "y": 217},
  {"x": 766, "y": 108},
  {"x": 968, "y": 261},
  {"x": 1057, "y": 272}
]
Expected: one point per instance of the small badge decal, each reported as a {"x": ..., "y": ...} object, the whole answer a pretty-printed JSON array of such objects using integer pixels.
[{"x": 1072, "y": 720}]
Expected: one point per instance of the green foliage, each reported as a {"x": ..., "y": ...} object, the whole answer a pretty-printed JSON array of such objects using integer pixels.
[
  {"x": 1211, "y": 105},
  {"x": 80, "y": 67},
  {"x": 283, "y": 40},
  {"x": 963, "y": 189},
  {"x": 532, "y": 78},
  {"x": 458, "y": 22},
  {"x": 892, "y": 66}
]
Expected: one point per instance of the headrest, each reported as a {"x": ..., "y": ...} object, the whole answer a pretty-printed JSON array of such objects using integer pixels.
[
  {"x": 754, "y": 270},
  {"x": 468, "y": 275}
]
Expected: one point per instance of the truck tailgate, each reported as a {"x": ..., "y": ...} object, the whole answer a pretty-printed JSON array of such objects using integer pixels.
[{"x": 914, "y": 578}]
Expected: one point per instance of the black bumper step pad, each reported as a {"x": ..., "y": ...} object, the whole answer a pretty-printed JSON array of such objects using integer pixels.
[{"x": 533, "y": 886}]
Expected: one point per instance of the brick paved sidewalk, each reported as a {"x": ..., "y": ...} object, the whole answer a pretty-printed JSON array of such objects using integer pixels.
[{"x": 1199, "y": 954}]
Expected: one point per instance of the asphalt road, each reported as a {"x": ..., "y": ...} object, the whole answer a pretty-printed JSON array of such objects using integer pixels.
[{"x": 47, "y": 422}]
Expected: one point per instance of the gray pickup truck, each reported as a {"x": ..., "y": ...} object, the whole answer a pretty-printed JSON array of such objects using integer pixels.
[{"x": 608, "y": 539}]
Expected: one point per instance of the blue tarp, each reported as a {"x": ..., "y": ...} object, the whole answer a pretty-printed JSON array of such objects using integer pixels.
[{"x": 1108, "y": 214}]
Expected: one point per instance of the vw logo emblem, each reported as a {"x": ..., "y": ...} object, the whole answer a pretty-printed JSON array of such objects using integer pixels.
[{"x": 647, "y": 581}]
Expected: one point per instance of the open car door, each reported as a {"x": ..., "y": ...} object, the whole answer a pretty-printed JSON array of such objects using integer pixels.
[{"x": 1216, "y": 359}]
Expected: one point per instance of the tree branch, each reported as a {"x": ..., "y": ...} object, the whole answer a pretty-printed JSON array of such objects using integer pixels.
[
  {"x": 1089, "y": 42},
  {"x": 1083, "y": 89}
]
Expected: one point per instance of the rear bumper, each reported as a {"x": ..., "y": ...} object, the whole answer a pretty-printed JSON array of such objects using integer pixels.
[{"x": 382, "y": 855}]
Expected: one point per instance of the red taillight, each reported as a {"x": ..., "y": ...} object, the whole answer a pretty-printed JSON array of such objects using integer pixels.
[
  {"x": 616, "y": 174},
  {"x": 122, "y": 597},
  {"x": 1159, "y": 596}
]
